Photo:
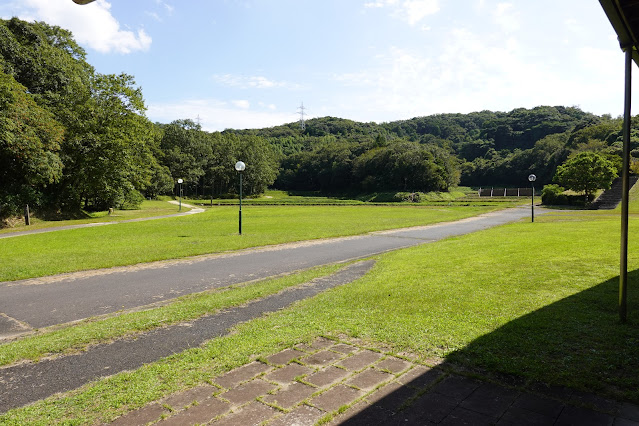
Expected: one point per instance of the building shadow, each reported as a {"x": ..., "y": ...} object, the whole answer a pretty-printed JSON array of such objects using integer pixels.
[{"x": 572, "y": 358}]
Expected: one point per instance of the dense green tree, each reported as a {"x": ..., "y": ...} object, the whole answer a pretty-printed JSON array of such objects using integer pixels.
[
  {"x": 184, "y": 150},
  {"x": 587, "y": 172},
  {"x": 29, "y": 144},
  {"x": 107, "y": 155},
  {"x": 261, "y": 164}
]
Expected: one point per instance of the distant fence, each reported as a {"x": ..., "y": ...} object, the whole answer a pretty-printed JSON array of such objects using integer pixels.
[{"x": 505, "y": 192}]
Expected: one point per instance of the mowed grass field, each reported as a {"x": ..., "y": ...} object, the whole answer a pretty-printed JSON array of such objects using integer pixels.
[
  {"x": 537, "y": 301},
  {"x": 214, "y": 231}
]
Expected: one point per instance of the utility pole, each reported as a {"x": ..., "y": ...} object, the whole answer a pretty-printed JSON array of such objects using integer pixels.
[{"x": 301, "y": 113}]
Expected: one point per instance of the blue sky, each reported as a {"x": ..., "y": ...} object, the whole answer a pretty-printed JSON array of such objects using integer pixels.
[{"x": 251, "y": 63}]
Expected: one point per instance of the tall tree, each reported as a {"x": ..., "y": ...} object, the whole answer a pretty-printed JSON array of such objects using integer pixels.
[
  {"x": 29, "y": 144},
  {"x": 587, "y": 172}
]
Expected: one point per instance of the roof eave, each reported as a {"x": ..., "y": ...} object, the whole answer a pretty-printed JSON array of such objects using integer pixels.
[{"x": 627, "y": 38}]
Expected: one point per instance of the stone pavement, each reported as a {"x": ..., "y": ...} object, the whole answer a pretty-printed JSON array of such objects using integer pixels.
[{"x": 344, "y": 382}]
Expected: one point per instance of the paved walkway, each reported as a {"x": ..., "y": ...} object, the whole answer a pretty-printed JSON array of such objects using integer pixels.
[
  {"x": 28, "y": 382},
  {"x": 194, "y": 210},
  {"x": 346, "y": 382},
  {"x": 47, "y": 301}
]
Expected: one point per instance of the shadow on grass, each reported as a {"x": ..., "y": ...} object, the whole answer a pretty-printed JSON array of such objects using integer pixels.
[
  {"x": 577, "y": 342},
  {"x": 574, "y": 352}
]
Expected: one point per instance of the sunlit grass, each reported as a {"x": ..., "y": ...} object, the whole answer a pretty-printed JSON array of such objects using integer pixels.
[
  {"x": 213, "y": 231},
  {"x": 534, "y": 300},
  {"x": 149, "y": 208}
]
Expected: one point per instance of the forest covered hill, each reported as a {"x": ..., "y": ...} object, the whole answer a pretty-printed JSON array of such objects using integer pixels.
[{"x": 72, "y": 138}]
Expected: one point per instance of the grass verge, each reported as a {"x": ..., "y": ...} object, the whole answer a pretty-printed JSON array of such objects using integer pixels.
[
  {"x": 78, "y": 336},
  {"x": 535, "y": 300},
  {"x": 210, "y": 232},
  {"x": 149, "y": 208}
]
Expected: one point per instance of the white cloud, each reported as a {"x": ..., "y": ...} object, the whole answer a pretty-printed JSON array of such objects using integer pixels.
[
  {"x": 92, "y": 25},
  {"x": 154, "y": 15},
  {"x": 216, "y": 115},
  {"x": 416, "y": 10},
  {"x": 491, "y": 74},
  {"x": 244, "y": 104},
  {"x": 507, "y": 17},
  {"x": 251, "y": 82},
  {"x": 412, "y": 11}
]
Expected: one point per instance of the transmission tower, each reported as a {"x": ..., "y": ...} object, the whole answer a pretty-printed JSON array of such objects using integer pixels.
[
  {"x": 197, "y": 120},
  {"x": 301, "y": 113}
]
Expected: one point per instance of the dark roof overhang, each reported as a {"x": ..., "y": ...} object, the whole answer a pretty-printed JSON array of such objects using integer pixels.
[{"x": 624, "y": 17}]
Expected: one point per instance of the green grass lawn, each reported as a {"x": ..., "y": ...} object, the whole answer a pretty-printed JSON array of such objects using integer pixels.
[
  {"x": 533, "y": 300},
  {"x": 149, "y": 208},
  {"x": 210, "y": 232}
]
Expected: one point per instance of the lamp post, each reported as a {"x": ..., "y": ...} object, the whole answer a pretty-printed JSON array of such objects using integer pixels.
[
  {"x": 180, "y": 195},
  {"x": 532, "y": 179},
  {"x": 240, "y": 166}
]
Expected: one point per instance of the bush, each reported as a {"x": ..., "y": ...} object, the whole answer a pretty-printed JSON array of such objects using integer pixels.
[
  {"x": 132, "y": 200},
  {"x": 553, "y": 195},
  {"x": 413, "y": 197}
]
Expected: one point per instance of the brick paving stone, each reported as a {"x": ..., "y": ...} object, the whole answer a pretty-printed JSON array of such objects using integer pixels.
[
  {"x": 327, "y": 377},
  {"x": 547, "y": 407},
  {"x": 490, "y": 399},
  {"x": 455, "y": 386},
  {"x": 594, "y": 401},
  {"x": 241, "y": 374},
  {"x": 360, "y": 360},
  {"x": 571, "y": 415},
  {"x": 420, "y": 377},
  {"x": 290, "y": 396},
  {"x": 300, "y": 416},
  {"x": 204, "y": 412},
  {"x": 516, "y": 416},
  {"x": 369, "y": 378},
  {"x": 321, "y": 358},
  {"x": 394, "y": 365},
  {"x": 556, "y": 392},
  {"x": 319, "y": 343},
  {"x": 336, "y": 397},
  {"x": 629, "y": 411},
  {"x": 288, "y": 373},
  {"x": 461, "y": 416},
  {"x": 182, "y": 399},
  {"x": 247, "y": 391},
  {"x": 285, "y": 356},
  {"x": 363, "y": 414},
  {"x": 625, "y": 422},
  {"x": 429, "y": 408},
  {"x": 254, "y": 413},
  {"x": 142, "y": 416},
  {"x": 343, "y": 348},
  {"x": 411, "y": 356},
  {"x": 391, "y": 397}
]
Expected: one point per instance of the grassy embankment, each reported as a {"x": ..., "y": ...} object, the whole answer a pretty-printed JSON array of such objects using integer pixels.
[{"x": 534, "y": 300}]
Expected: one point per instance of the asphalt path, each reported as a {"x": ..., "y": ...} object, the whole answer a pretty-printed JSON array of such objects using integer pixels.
[
  {"x": 39, "y": 303},
  {"x": 28, "y": 382}
]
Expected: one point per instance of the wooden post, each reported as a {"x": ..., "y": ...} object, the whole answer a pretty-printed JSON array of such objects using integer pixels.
[{"x": 27, "y": 218}]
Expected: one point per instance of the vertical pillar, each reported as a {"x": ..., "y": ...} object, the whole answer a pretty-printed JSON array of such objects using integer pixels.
[{"x": 625, "y": 180}]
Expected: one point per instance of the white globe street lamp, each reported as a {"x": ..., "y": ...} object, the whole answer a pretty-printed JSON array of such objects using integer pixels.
[
  {"x": 240, "y": 166},
  {"x": 532, "y": 178},
  {"x": 180, "y": 194}
]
